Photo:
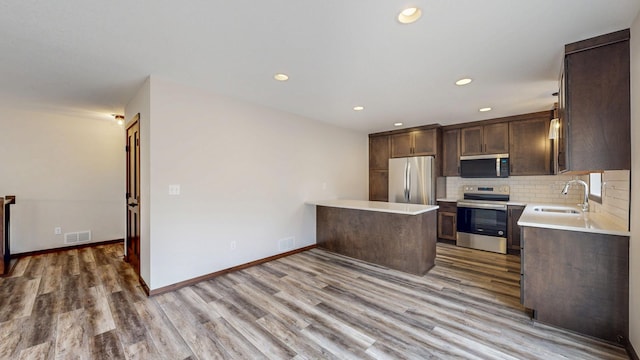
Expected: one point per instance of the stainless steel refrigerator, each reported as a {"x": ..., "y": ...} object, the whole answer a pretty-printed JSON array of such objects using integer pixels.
[{"x": 411, "y": 180}]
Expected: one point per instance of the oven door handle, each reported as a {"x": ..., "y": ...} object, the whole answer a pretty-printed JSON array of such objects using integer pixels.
[{"x": 482, "y": 206}]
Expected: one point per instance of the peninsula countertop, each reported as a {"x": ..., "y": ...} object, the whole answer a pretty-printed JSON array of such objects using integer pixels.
[
  {"x": 584, "y": 222},
  {"x": 379, "y": 206}
]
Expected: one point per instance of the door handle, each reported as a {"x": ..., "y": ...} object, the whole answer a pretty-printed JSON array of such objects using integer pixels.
[
  {"x": 133, "y": 204},
  {"x": 406, "y": 182}
]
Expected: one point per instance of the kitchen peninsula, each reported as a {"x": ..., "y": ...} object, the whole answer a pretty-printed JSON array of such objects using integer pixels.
[{"x": 398, "y": 236}]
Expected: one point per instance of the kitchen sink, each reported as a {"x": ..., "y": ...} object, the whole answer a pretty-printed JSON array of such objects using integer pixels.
[{"x": 557, "y": 210}]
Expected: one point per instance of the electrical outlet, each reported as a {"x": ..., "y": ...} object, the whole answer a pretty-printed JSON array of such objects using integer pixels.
[
  {"x": 174, "y": 189},
  {"x": 232, "y": 246},
  {"x": 57, "y": 231}
]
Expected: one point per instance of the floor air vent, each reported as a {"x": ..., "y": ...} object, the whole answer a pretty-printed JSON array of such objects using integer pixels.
[{"x": 77, "y": 237}]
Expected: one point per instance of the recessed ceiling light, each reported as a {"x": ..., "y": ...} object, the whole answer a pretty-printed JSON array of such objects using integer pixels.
[
  {"x": 358, "y": 108},
  {"x": 398, "y": 124},
  {"x": 485, "y": 109},
  {"x": 281, "y": 77},
  {"x": 464, "y": 81},
  {"x": 409, "y": 15}
]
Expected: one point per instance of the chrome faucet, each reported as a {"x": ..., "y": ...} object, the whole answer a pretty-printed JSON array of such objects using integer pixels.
[{"x": 585, "y": 204}]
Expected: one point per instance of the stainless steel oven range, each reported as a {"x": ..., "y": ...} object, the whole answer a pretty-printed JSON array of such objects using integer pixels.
[{"x": 482, "y": 218}]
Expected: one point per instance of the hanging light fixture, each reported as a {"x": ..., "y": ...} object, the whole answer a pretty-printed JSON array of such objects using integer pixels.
[
  {"x": 553, "y": 128},
  {"x": 119, "y": 119}
]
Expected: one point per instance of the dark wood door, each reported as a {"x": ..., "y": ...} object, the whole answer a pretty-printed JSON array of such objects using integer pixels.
[
  {"x": 471, "y": 141},
  {"x": 379, "y": 153},
  {"x": 447, "y": 226},
  {"x": 530, "y": 147},
  {"x": 401, "y": 145},
  {"x": 133, "y": 194},
  {"x": 425, "y": 142},
  {"x": 4, "y": 264},
  {"x": 496, "y": 138},
  {"x": 598, "y": 108},
  {"x": 578, "y": 281},
  {"x": 378, "y": 185},
  {"x": 447, "y": 220},
  {"x": 451, "y": 152},
  {"x": 513, "y": 229},
  {"x": 561, "y": 142}
]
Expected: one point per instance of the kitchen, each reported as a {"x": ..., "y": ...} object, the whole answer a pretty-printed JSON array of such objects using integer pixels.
[
  {"x": 186, "y": 125},
  {"x": 505, "y": 184}
]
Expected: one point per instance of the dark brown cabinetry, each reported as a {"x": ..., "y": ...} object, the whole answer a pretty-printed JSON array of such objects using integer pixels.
[
  {"x": 595, "y": 105},
  {"x": 5, "y": 214},
  {"x": 530, "y": 146},
  {"x": 414, "y": 143},
  {"x": 485, "y": 139},
  {"x": 451, "y": 152},
  {"x": 419, "y": 141},
  {"x": 378, "y": 167},
  {"x": 447, "y": 221},
  {"x": 577, "y": 280},
  {"x": 513, "y": 229}
]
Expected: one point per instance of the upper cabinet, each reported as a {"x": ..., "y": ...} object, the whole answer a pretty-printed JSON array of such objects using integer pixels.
[
  {"x": 485, "y": 139},
  {"x": 530, "y": 146},
  {"x": 594, "y": 105},
  {"x": 378, "y": 167},
  {"x": 379, "y": 152},
  {"x": 415, "y": 143},
  {"x": 451, "y": 152}
]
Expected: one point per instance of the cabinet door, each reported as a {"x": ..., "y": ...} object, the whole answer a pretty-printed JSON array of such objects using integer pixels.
[
  {"x": 401, "y": 145},
  {"x": 471, "y": 141},
  {"x": 496, "y": 138},
  {"x": 598, "y": 108},
  {"x": 451, "y": 152},
  {"x": 561, "y": 143},
  {"x": 530, "y": 147},
  {"x": 378, "y": 185},
  {"x": 379, "y": 153},
  {"x": 425, "y": 142},
  {"x": 513, "y": 230},
  {"x": 447, "y": 226}
]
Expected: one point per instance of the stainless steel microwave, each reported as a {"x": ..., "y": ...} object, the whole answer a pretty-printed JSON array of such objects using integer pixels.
[{"x": 484, "y": 166}]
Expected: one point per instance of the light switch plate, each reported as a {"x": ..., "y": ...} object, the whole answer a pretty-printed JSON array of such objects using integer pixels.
[{"x": 174, "y": 189}]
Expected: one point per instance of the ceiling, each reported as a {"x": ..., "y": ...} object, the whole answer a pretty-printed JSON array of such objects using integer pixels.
[{"x": 93, "y": 55}]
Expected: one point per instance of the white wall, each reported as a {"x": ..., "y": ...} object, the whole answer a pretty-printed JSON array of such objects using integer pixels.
[
  {"x": 634, "y": 248},
  {"x": 245, "y": 172},
  {"x": 66, "y": 170}
]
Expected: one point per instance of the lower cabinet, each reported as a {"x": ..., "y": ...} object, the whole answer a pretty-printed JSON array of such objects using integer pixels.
[
  {"x": 447, "y": 221},
  {"x": 577, "y": 280},
  {"x": 513, "y": 230}
]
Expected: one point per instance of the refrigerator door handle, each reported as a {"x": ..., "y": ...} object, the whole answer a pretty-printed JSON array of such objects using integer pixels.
[{"x": 407, "y": 182}]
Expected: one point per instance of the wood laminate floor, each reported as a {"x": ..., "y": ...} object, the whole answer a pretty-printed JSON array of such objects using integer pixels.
[{"x": 87, "y": 304}]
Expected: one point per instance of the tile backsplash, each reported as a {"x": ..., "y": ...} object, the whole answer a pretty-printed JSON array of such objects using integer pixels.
[
  {"x": 526, "y": 189},
  {"x": 615, "y": 196},
  {"x": 546, "y": 190}
]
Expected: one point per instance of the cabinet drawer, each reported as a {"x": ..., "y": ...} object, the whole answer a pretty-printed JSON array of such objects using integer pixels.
[{"x": 448, "y": 206}]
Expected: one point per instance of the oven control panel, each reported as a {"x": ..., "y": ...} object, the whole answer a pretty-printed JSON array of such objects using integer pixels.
[{"x": 486, "y": 189}]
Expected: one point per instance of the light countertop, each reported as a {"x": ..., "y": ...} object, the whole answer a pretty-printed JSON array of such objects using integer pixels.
[
  {"x": 583, "y": 222},
  {"x": 379, "y": 206}
]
